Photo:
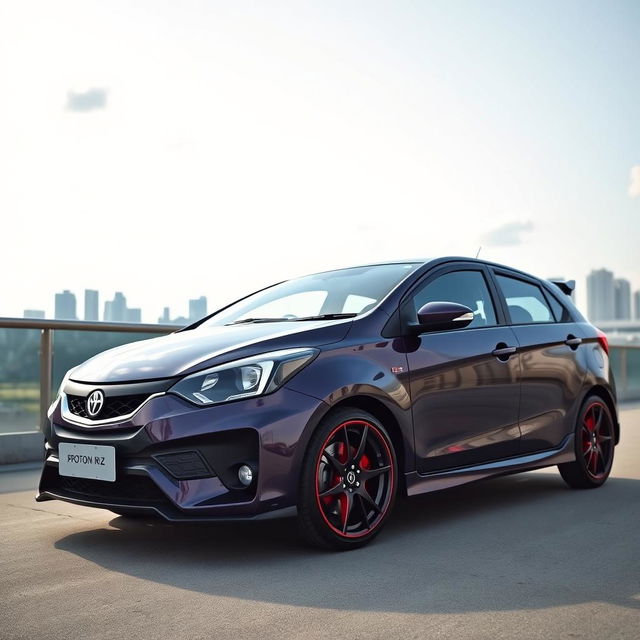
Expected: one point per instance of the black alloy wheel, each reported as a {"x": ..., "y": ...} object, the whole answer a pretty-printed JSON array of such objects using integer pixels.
[
  {"x": 594, "y": 441},
  {"x": 348, "y": 483}
]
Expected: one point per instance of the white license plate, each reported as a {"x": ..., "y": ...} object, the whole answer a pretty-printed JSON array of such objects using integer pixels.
[{"x": 94, "y": 461}]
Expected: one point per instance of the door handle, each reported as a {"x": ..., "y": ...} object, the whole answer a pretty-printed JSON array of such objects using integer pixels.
[
  {"x": 572, "y": 341},
  {"x": 503, "y": 352}
]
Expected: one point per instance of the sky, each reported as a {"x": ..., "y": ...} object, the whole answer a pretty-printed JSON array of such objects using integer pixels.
[{"x": 176, "y": 149}]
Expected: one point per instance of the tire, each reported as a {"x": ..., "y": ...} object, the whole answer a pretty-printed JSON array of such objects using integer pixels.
[
  {"x": 348, "y": 481},
  {"x": 595, "y": 444}
]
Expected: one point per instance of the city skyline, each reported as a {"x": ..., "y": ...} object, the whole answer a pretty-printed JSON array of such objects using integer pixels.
[
  {"x": 115, "y": 310},
  {"x": 605, "y": 297},
  {"x": 246, "y": 151},
  {"x": 610, "y": 297}
]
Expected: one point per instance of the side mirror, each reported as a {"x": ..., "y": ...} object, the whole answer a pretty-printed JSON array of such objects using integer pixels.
[{"x": 441, "y": 316}]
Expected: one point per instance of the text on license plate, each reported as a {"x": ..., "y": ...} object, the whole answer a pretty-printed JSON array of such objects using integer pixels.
[{"x": 94, "y": 461}]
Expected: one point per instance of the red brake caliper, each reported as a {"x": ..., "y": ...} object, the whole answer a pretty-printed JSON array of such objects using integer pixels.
[{"x": 590, "y": 422}]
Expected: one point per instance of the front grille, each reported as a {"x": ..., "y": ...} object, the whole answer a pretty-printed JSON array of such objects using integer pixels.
[
  {"x": 113, "y": 407},
  {"x": 126, "y": 488}
]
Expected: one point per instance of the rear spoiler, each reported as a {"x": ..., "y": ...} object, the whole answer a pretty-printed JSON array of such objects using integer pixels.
[{"x": 566, "y": 286}]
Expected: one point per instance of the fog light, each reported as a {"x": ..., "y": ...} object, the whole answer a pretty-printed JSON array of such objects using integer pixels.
[{"x": 245, "y": 475}]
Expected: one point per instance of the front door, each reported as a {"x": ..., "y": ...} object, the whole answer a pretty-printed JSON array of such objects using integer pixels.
[{"x": 465, "y": 383}]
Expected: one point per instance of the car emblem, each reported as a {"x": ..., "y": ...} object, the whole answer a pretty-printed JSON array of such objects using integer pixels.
[
  {"x": 95, "y": 400},
  {"x": 351, "y": 477}
]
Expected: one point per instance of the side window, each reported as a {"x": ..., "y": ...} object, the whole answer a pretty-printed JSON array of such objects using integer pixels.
[
  {"x": 464, "y": 287},
  {"x": 560, "y": 312},
  {"x": 525, "y": 301}
]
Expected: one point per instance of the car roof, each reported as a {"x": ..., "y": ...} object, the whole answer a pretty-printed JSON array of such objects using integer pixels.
[
  {"x": 427, "y": 263},
  {"x": 444, "y": 259}
]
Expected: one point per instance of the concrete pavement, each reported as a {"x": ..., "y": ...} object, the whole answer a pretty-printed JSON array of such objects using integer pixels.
[{"x": 515, "y": 557}]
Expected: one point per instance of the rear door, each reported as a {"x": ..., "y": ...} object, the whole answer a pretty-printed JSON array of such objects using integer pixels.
[
  {"x": 465, "y": 383},
  {"x": 548, "y": 342}
]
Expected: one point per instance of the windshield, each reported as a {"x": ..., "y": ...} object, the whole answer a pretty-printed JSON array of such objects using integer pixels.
[{"x": 328, "y": 295}]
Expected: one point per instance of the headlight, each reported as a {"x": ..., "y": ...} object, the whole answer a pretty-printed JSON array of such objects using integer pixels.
[{"x": 244, "y": 378}]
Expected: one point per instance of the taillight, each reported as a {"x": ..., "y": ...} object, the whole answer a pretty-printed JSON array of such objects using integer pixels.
[{"x": 603, "y": 340}]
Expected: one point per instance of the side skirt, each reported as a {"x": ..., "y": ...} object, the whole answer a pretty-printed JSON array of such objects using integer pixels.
[{"x": 417, "y": 483}]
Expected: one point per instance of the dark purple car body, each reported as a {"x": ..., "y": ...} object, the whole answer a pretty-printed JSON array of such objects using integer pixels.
[{"x": 502, "y": 393}]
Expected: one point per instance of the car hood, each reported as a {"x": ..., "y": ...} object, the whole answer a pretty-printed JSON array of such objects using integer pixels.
[{"x": 184, "y": 352}]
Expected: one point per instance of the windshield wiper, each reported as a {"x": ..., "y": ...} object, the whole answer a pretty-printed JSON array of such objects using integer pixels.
[
  {"x": 251, "y": 320},
  {"x": 323, "y": 316},
  {"x": 327, "y": 316}
]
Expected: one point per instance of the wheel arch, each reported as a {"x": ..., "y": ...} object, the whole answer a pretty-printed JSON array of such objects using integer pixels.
[
  {"x": 393, "y": 418},
  {"x": 604, "y": 393},
  {"x": 402, "y": 439},
  {"x": 390, "y": 422}
]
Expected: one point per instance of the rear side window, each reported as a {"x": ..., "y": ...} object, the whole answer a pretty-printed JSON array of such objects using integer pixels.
[
  {"x": 559, "y": 311},
  {"x": 464, "y": 287},
  {"x": 525, "y": 301}
]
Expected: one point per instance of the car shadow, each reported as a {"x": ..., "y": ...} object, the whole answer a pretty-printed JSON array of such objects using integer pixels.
[{"x": 519, "y": 542}]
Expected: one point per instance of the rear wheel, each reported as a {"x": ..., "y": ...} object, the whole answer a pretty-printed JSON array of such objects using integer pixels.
[
  {"x": 348, "y": 481},
  {"x": 594, "y": 441}
]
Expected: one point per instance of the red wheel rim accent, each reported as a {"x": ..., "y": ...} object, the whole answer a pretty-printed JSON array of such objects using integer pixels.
[
  {"x": 354, "y": 479},
  {"x": 597, "y": 440}
]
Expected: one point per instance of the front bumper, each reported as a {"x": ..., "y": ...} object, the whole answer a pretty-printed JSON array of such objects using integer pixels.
[{"x": 268, "y": 432}]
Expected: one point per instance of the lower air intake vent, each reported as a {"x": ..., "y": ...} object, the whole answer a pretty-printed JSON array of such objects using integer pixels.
[{"x": 186, "y": 465}]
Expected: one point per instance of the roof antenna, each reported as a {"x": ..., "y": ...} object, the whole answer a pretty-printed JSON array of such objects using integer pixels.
[{"x": 479, "y": 249}]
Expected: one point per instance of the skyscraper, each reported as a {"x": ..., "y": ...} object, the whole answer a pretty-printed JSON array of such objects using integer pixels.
[
  {"x": 91, "y": 305},
  {"x": 636, "y": 305},
  {"x": 197, "y": 308},
  {"x": 165, "y": 318},
  {"x": 622, "y": 299},
  {"x": 65, "y": 307},
  {"x": 600, "y": 295},
  {"x": 133, "y": 315},
  {"x": 33, "y": 313},
  {"x": 116, "y": 310}
]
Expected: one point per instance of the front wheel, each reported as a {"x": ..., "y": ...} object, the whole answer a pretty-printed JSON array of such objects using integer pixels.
[
  {"x": 348, "y": 481},
  {"x": 594, "y": 441}
]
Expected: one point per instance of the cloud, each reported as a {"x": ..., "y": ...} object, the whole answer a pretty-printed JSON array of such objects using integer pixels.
[
  {"x": 634, "y": 185},
  {"x": 89, "y": 100},
  {"x": 507, "y": 235}
]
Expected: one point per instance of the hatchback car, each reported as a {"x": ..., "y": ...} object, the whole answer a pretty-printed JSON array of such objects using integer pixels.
[{"x": 327, "y": 395}]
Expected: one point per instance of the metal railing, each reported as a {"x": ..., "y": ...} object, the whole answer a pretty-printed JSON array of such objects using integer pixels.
[
  {"x": 47, "y": 329},
  {"x": 625, "y": 359},
  {"x": 625, "y": 364}
]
